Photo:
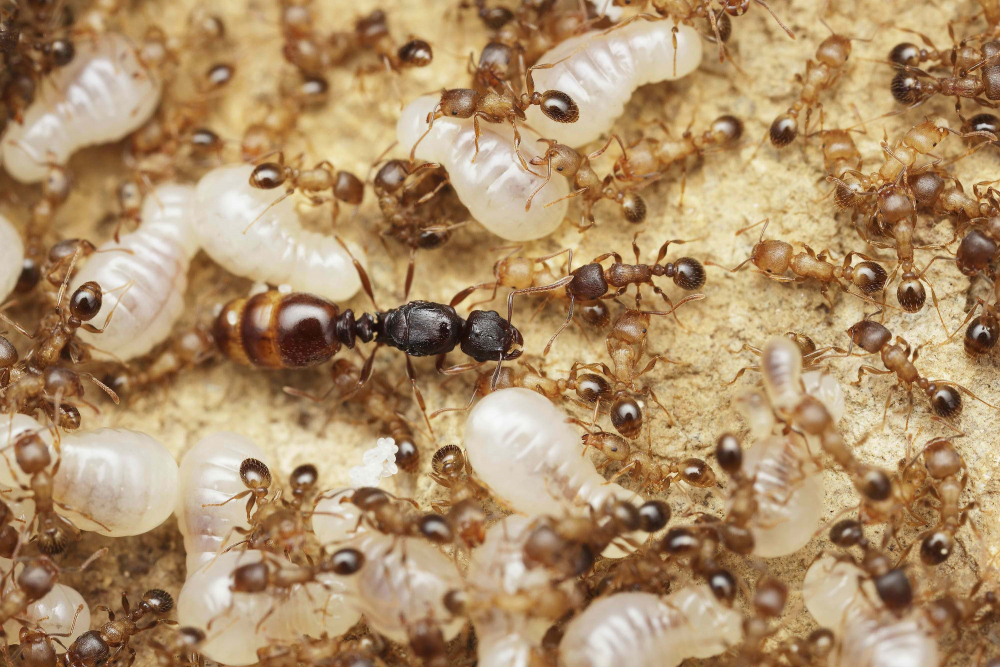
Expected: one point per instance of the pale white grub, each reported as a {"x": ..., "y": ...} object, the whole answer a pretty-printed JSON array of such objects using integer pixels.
[
  {"x": 334, "y": 521},
  {"x": 210, "y": 474},
  {"x": 601, "y": 70},
  {"x": 788, "y": 488},
  {"x": 781, "y": 369},
  {"x": 230, "y": 620},
  {"x": 823, "y": 386},
  {"x": 832, "y": 587},
  {"x": 119, "y": 482},
  {"x": 11, "y": 257},
  {"x": 54, "y": 613},
  {"x": 241, "y": 230},
  {"x": 646, "y": 630},
  {"x": 144, "y": 275},
  {"x": 101, "y": 96},
  {"x": 522, "y": 447},
  {"x": 403, "y": 581},
  {"x": 493, "y": 185}
]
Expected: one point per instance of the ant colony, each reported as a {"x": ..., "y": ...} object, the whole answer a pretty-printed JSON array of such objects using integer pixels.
[{"x": 709, "y": 291}]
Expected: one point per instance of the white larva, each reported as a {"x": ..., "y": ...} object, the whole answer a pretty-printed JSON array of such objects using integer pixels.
[
  {"x": 144, "y": 275},
  {"x": 209, "y": 474},
  {"x": 788, "y": 487},
  {"x": 101, "y": 96},
  {"x": 530, "y": 457},
  {"x": 781, "y": 370},
  {"x": 54, "y": 613},
  {"x": 870, "y": 636},
  {"x": 241, "y": 230},
  {"x": 125, "y": 480},
  {"x": 493, "y": 186},
  {"x": 601, "y": 70},
  {"x": 646, "y": 630},
  {"x": 820, "y": 384},
  {"x": 11, "y": 257},
  {"x": 229, "y": 620}
]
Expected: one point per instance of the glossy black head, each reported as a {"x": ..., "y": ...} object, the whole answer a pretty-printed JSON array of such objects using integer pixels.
[{"x": 488, "y": 337}]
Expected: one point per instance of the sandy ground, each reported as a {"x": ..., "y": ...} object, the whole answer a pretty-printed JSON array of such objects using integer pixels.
[{"x": 725, "y": 192}]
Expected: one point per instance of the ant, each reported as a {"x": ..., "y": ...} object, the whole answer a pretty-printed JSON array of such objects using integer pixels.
[
  {"x": 451, "y": 469},
  {"x": 502, "y": 106},
  {"x": 117, "y": 633},
  {"x": 343, "y": 186},
  {"x": 588, "y": 184},
  {"x": 812, "y": 356},
  {"x": 898, "y": 358},
  {"x": 976, "y": 73},
  {"x": 180, "y": 649},
  {"x": 774, "y": 258},
  {"x": 891, "y": 582}
]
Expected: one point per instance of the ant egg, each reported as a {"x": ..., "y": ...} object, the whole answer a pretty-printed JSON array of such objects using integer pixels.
[
  {"x": 102, "y": 95},
  {"x": 250, "y": 234},
  {"x": 54, "y": 613},
  {"x": 646, "y": 630},
  {"x": 403, "y": 581},
  {"x": 230, "y": 620},
  {"x": 788, "y": 488},
  {"x": 530, "y": 457},
  {"x": 210, "y": 473},
  {"x": 493, "y": 185},
  {"x": 601, "y": 70},
  {"x": 11, "y": 257},
  {"x": 143, "y": 276},
  {"x": 125, "y": 482}
]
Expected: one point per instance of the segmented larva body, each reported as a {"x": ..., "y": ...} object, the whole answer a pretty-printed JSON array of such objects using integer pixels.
[
  {"x": 493, "y": 185},
  {"x": 646, "y": 630},
  {"x": 241, "y": 230},
  {"x": 523, "y": 449},
  {"x": 123, "y": 479},
  {"x": 497, "y": 569},
  {"x": 11, "y": 257},
  {"x": 102, "y": 95},
  {"x": 210, "y": 473},
  {"x": 601, "y": 70},
  {"x": 402, "y": 581},
  {"x": 870, "y": 636},
  {"x": 234, "y": 637},
  {"x": 152, "y": 263},
  {"x": 781, "y": 369},
  {"x": 788, "y": 488},
  {"x": 54, "y": 613}
]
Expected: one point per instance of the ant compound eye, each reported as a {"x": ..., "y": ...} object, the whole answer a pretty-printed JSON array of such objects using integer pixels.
[{"x": 559, "y": 106}]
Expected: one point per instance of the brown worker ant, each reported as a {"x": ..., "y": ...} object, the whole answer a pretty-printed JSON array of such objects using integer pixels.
[{"x": 343, "y": 186}]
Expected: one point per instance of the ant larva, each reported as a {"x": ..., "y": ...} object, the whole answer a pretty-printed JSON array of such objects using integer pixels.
[
  {"x": 774, "y": 258},
  {"x": 250, "y": 233},
  {"x": 103, "y": 95},
  {"x": 343, "y": 186},
  {"x": 569, "y": 163},
  {"x": 600, "y": 71},
  {"x": 514, "y": 437},
  {"x": 153, "y": 262},
  {"x": 495, "y": 187},
  {"x": 898, "y": 358},
  {"x": 11, "y": 257},
  {"x": 643, "y": 628}
]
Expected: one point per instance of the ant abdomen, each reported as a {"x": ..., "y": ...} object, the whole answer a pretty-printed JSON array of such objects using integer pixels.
[
  {"x": 982, "y": 335},
  {"x": 275, "y": 330}
]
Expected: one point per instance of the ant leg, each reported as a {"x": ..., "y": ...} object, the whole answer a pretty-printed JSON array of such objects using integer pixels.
[
  {"x": 362, "y": 274},
  {"x": 410, "y": 267},
  {"x": 454, "y": 370},
  {"x": 659, "y": 357},
  {"x": 740, "y": 373},
  {"x": 412, "y": 375},
  {"x": 872, "y": 371},
  {"x": 277, "y": 201},
  {"x": 562, "y": 327},
  {"x": 647, "y": 390},
  {"x": 548, "y": 177},
  {"x": 17, "y": 326},
  {"x": 464, "y": 294},
  {"x": 980, "y": 304}
]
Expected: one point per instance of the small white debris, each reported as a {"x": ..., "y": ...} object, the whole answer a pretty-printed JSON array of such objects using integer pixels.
[{"x": 377, "y": 463}]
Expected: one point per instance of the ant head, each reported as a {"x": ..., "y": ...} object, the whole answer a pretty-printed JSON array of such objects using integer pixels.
[
  {"x": 459, "y": 103},
  {"x": 869, "y": 336},
  {"x": 416, "y": 53},
  {"x": 834, "y": 51},
  {"x": 560, "y": 107},
  {"x": 255, "y": 475},
  {"x": 31, "y": 453},
  {"x": 62, "y": 382},
  {"x": 392, "y": 175},
  {"x": 614, "y": 447},
  {"x": 588, "y": 282},
  {"x": 563, "y": 159},
  {"x": 268, "y": 176},
  {"x": 489, "y": 337}
]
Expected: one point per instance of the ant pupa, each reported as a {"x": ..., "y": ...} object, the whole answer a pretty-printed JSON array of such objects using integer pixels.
[
  {"x": 11, "y": 257},
  {"x": 146, "y": 281},
  {"x": 209, "y": 475},
  {"x": 646, "y": 629},
  {"x": 495, "y": 188},
  {"x": 600, "y": 71},
  {"x": 517, "y": 440},
  {"x": 101, "y": 96},
  {"x": 250, "y": 234},
  {"x": 230, "y": 619}
]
